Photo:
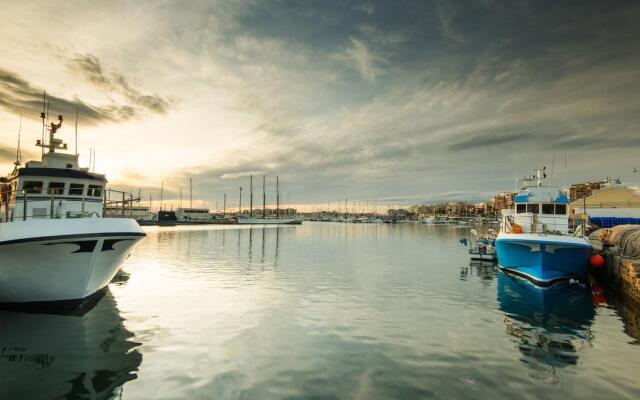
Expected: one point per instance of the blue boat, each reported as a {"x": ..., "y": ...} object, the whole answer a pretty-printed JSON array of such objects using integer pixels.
[{"x": 535, "y": 241}]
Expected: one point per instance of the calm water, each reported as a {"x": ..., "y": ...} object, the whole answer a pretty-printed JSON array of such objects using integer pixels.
[{"x": 321, "y": 311}]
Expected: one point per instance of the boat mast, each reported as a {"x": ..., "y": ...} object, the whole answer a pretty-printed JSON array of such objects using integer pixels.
[
  {"x": 190, "y": 193},
  {"x": 180, "y": 196},
  {"x": 264, "y": 197},
  {"x": 277, "y": 198},
  {"x": 240, "y": 202},
  {"x": 161, "y": 194},
  {"x": 251, "y": 196}
]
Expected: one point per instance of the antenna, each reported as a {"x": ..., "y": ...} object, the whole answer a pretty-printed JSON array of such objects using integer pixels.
[
  {"x": 18, "y": 148},
  {"x": 76, "y": 130}
]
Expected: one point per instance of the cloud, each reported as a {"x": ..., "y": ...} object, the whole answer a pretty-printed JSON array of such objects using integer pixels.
[
  {"x": 19, "y": 96},
  {"x": 236, "y": 175},
  {"x": 90, "y": 68},
  {"x": 488, "y": 139},
  {"x": 363, "y": 58}
]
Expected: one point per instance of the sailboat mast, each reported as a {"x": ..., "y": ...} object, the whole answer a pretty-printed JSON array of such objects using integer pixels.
[
  {"x": 161, "y": 194},
  {"x": 277, "y": 197},
  {"x": 190, "y": 193},
  {"x": 264, "y": 197},
  {"x": 251, "y": 196}
]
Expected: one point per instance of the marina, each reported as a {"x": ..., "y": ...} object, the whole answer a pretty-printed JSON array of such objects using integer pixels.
[
  {"x": 359, "y": 200},
  {"x": 328, "y": 311}
]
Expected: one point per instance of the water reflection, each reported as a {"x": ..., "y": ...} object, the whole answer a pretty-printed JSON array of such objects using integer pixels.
[
  {"x": 66, "y": 356},
  {"x": 486, "y": 271},
  {"x": 549, "y": 326}
]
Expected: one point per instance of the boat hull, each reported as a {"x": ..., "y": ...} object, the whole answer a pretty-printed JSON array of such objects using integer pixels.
[
  {"x": 544, "y": 259},
  {"x": 64, "y": 259}
]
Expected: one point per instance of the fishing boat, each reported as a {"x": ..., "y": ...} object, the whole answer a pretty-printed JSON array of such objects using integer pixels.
[
  {"x": 269, "y": 221},
  {"x": 483, "y": 248},
  {"x": 535, "y": 241},
  {"x": 55, "y": 245}
]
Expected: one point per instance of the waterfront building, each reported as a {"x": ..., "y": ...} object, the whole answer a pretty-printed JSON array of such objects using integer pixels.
[
  {"x": 611, "y": 205},
  {"x": 585, "y": 189},
  {"x": 193, "y": 214},
  {"x": 135, "y": 212}
]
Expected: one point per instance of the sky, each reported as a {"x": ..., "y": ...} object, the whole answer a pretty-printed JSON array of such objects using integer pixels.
[{"x": 397, "y": 102}]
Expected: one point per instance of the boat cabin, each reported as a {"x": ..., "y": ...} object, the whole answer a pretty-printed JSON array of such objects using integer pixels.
[
  {"x": 537, "y": 209},
  {"x": 54, "y": 187}
]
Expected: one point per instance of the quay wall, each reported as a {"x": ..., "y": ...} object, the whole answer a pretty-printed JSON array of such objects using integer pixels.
[{"x": 621, "y": 248}]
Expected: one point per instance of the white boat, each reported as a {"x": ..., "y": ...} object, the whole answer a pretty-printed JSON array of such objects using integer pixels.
[{"x": 55, "y": 244}]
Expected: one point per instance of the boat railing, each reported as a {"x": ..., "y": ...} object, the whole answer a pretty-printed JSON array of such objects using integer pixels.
[
  {"x": 9, "y": 212},
  {"x": 533, "y": 224}
]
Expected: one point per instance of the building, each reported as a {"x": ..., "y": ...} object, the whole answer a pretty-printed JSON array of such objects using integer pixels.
[
  {"x": 193, "y": 214},
  {"x": 585, "y": 189},
  {"x": 399, "y": 214},
  {"x": 609, "y": 206},
  {"x": 502, "y": 201},
  {"x": 135, "y": 212}
]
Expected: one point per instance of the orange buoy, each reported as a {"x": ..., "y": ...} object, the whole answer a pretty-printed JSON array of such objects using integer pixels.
[
  {"x": 597, "y": 261},
  {"x": 515, "y": 228}
]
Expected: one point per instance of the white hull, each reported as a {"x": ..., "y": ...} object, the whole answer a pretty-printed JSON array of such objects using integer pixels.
[
  {"x": 256, "y": 221},
  {"x": 44, "y": 260}
]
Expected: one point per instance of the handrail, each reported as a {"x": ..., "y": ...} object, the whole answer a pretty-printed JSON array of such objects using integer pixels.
[{"x": 25, "y": 200}]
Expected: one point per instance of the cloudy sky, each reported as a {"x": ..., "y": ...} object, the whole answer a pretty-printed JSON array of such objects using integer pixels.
[{"x": 398, "y": 102}]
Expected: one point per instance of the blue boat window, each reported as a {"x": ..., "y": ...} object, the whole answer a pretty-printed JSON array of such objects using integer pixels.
[
  {"x": 533, "y": 208},
  {"x": 548, "y": 208},
  {"x": 561, "y": 209},
  {"x": 521, "y": 208}
]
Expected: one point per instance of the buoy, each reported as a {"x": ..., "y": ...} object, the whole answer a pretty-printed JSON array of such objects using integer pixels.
[
  {"x": 515, "y": 228},
  {"x": 597, "y": 261}
]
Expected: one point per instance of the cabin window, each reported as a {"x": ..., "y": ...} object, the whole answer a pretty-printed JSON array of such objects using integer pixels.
[
  {"x": 561, "y": 209},
  {"x": 547, "y": 208},
  {"x": 94, "y": 191},
  {"x": 55, "y": 188},
  {"x": 533, "y": 208},
  {"x": 521, "y": 208},
  {"x": 32, "y": 187},
  {"x": 76, "y": 189}
]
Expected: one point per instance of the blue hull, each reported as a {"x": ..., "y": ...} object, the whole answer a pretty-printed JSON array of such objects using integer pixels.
[{"x": 543, "y": 261}]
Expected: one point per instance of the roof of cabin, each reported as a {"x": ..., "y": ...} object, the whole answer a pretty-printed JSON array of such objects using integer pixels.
[{"x": 60, "y": 173}]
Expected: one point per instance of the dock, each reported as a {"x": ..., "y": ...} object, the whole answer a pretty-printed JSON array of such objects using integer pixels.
[{"x": 620, "y": 246}]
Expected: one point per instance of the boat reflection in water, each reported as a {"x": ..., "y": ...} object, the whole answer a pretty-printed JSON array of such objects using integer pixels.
[
  {"x": 87, "y": 354},
  {"x": 550, "y": 326}
]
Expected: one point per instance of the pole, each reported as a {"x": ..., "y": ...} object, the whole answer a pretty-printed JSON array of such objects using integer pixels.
[
  {"x": 240, "y": 202},
  {"x": 264, "y": 197},
  {"x": 224, "y": 205},
  {"x": 180, "y": 196},
  {"x": 24, "y": 205},
  {"x": 277, "y": 197},
  {"x": 76, "y": 130},
  {"x": 161, "y": 194},
  {"x": 190, "y": 193},
  {"x": 251, "y": 196}
]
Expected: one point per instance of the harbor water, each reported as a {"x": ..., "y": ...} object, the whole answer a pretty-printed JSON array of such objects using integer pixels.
[{"x": 322, "y": 311}]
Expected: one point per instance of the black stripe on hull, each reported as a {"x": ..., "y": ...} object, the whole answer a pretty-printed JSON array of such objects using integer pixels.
[
  {"x": 76, "y": 236},
  {"x": 76, "y": 307},
  {"x": 84, "y": 246}
]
